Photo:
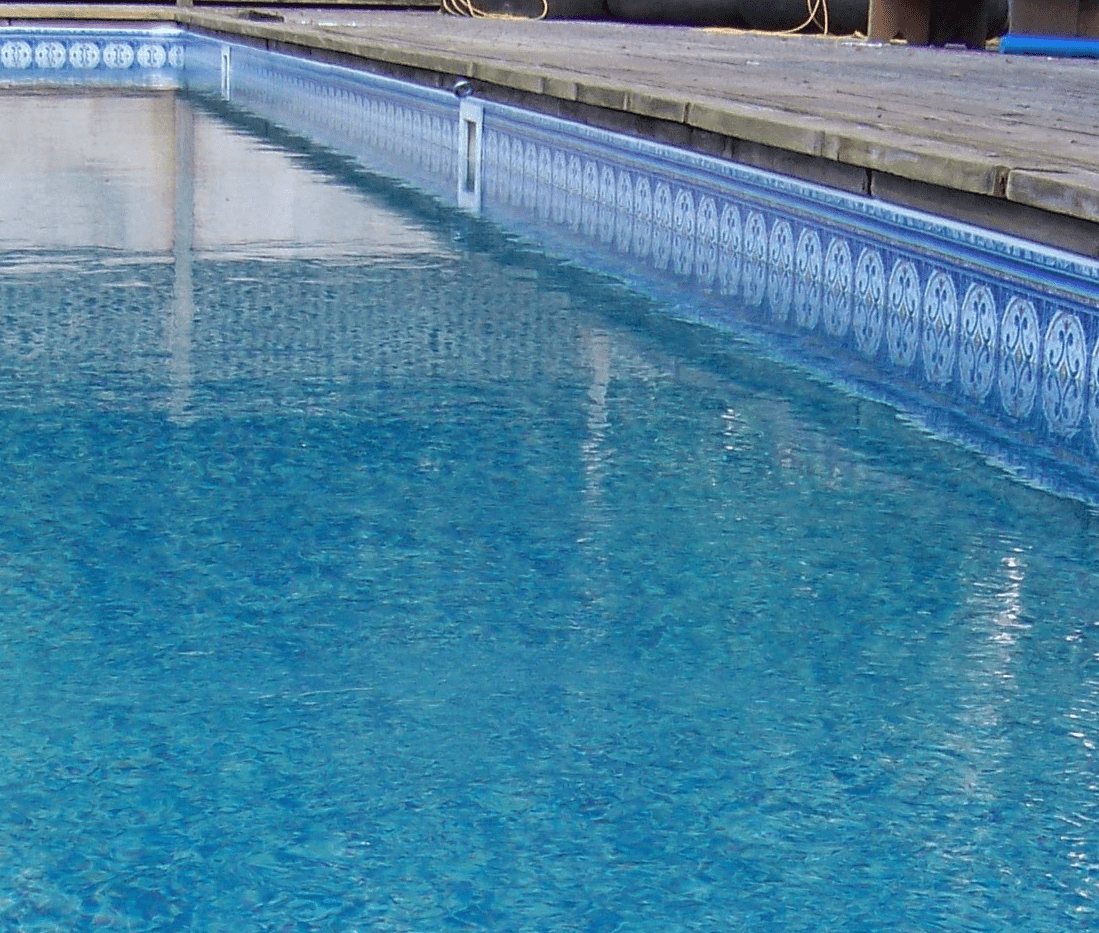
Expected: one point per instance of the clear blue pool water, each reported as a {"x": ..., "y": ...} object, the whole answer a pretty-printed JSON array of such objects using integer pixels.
[{"x": 418, "y": 582}]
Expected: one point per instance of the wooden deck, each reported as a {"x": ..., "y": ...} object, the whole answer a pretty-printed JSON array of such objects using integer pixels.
[{"x": 1009, "y": 142}]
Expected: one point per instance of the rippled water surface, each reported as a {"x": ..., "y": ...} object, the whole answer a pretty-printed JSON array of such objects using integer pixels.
[{"x": 362, "y": 569}]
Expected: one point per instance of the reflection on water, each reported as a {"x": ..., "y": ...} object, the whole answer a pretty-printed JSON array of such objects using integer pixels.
[{"x": 416, "y": 583}]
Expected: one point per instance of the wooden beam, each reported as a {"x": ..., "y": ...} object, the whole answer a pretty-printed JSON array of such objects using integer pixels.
[
  {"x": 900, "y": 19},
  {"x": 1087, "y": 23},
  {"x": 1045, "y": 17}
]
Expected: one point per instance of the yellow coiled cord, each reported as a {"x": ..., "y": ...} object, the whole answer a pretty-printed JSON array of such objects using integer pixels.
[
  {"x": 818, "y": 13},
  {"x": 469, "y": 8}
]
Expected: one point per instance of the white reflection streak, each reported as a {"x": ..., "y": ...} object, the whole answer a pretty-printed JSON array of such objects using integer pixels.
[
  {"x": 1003, "y": 602},
  {"x": 181, "y": 322},
  {"x": 996, "y": 603},
  {"x": 730, "y": 426},
  {"x": 593, "y": 457},
  {"x": 592, "y": 451},
  {"x": 1008, "y": 620}
]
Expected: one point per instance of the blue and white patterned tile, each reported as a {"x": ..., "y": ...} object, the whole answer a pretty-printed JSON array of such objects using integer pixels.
[
  {"x": 685, "y": 221},
  {"x": 574, "y": 192},
  {"x": 1020, "y": 366},
  {"x": 86, "y": 54},
  {"x": 50, "y": 55},
  {"x": 530, "y": 176},
  {"x": 545, "y": 166},
  {"x": 780, "y": 281},
  {"x": 902, "y": 326},
  {"x": 977, "y": 351},
  {"x": 756, "y": 252},
  {"x": 16, "y": 55},
  {"x": 608, "y": 202},
  {"x": 1093, "y": 398},
  {"x": 940, "y": 324},
  {"x": 808, "y": 279},
  {"x": 544, "y": 197},
  {"x": 838, "y": 287},
  {"x": 705, "y": 260},
  {"x": 661, "y": 248},
  {"x": 624, "y": 212},
  {"x": 1064, "y": 374},
  {"x": 730, "y": 257},
  {"x": 868, "y": 320},
  {"x": 574, "y": 179},
  {"x": 560, "y": 187},
  {"x": 589, "y": 199},
  {"x": 643, "y": 217}
]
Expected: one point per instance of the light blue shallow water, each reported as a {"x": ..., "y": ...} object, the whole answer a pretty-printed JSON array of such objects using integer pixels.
[{"x": 430, "y": 585}]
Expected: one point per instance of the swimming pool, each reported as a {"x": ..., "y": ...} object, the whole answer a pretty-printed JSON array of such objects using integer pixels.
[{"x": 369, "y": 567}]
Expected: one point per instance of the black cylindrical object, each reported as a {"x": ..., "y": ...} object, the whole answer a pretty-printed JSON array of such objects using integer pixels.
[
  {"x": 553, "y": 9},
  {"x": 679, "y": 12},
  {"x": 843, "y": 16},
  {"x": 971, "y": 23}
]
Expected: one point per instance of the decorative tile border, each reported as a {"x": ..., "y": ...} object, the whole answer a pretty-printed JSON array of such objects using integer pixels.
[
  {"x": 993, "y": 340},
  {"x": 115, "y": 56}
]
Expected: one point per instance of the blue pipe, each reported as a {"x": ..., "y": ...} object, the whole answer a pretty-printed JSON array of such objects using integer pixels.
[{"x": 1055, "y": 46}]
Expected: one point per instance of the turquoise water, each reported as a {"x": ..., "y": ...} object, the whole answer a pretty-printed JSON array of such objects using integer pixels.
[{"x": 407, "y": 580}]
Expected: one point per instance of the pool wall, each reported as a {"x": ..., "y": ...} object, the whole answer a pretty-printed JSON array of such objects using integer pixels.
[
  {"x": 395, "y": 127},
  {"x": 984, "y": 338},
  {"x": 987, "y": 339}
]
